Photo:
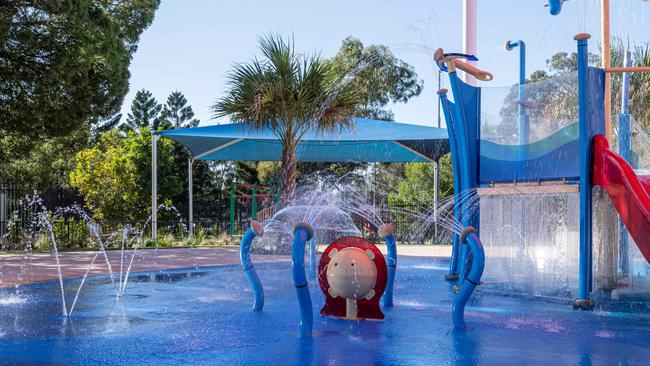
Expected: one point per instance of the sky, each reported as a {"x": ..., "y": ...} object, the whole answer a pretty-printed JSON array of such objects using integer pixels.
[{"x": 192, "y": 44}]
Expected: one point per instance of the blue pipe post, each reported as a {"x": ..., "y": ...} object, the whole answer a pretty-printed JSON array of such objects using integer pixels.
[
  {"x": 523, "y": 118},
  {"x": 464, "y": 162},
  {"x": 302, "y": 232},
  {"x": 625, "y": 149},
  {"x": 473, "y": 278},
  {"x": 583, "y": 302},
  {"x": 453, "y": 264},
  {"x": 385, "y": 231},
  {"x": 254, "y": 230}
]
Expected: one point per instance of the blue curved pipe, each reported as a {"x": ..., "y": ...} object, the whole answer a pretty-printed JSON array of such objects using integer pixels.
[
  {"x": 464, "y": 162},
  {"x": 452, "y": 275},
  {"x": 472, "y": 279},
  {"x": 301, "y": 234},
  {"x": 247, "y": 265},
  {"x": 391, "y": 263}
]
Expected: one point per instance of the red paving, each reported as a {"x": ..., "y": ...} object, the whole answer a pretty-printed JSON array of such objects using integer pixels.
[{"x": 18, "y": 269}]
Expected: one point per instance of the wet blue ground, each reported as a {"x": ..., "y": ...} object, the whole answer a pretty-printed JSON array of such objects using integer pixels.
[{"x": 204, "y": 318}]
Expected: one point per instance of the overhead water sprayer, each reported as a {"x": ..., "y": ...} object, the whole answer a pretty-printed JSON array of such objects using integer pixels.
[
  {"x": 449, "y": 62},
  {"x": 554, "y": 6},
  {"x": 522, "y": 102}
]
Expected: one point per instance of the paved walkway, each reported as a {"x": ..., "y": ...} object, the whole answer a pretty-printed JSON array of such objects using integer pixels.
[
  {"x": 19, "y": 269},
  {"x": 16, "y": 269}
]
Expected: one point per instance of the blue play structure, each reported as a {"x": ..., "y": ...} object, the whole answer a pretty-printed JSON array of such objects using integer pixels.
[{"x": 539, "y": 143}]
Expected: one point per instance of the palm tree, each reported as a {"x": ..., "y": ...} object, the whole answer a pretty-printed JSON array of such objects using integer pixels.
[{"x": 289, "y": 94}]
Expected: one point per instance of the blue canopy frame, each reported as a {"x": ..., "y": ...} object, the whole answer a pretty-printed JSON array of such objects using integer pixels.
[{"x": 366, "y": 141}]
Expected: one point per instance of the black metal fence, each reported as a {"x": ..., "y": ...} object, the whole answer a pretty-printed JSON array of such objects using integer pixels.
[{"x": 219, "y": 222}]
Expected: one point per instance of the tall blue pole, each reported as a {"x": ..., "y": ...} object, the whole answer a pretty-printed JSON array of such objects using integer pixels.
[
  {"x": 245, "y": 258},
  {"x": 453, "y": 265},
  {"x": 523, "y": 119},
  {"x": 625, "y": 149},
  {"x": 585, "y": 167},
  {"x": 302, "y": 232}
]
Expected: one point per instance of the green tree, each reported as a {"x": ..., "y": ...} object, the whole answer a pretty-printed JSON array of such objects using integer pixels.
[
  {"x": 176, "y": 113},
  {"x": 63, "y": 63},
  {"x": 145, "y": 112},
  {"x": 113, "y": 175},
  {"x": 290, "y": 94},
  {"x": 106, "y": 177},
  {"x": 44, "y": 165},
  {"x": 418, "y": 186},
  {"x": 381, "y": 77}
]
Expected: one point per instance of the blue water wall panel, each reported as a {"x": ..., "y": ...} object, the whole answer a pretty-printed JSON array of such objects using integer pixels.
[
  {"x": 553, "y": 158},
  {"x": 596, "y": 113},
  {"x": 472, "y": 106}
]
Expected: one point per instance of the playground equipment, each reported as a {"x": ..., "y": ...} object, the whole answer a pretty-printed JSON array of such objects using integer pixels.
[
  {"x": 352, "y": 276},
  {"x": 564, "y": 159},
  {"x": 255, "y": 230},
  {"x": 352, "y": 273},
  {"x": 253, "y": 196}
]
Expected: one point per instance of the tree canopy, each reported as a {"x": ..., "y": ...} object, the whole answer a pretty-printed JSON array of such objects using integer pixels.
[
  {"x": 64, "y": 63},
  {"x": 145, "y": 112},
  {"x": 380, "y": 77},
  {"x": 289, "y": 93}
]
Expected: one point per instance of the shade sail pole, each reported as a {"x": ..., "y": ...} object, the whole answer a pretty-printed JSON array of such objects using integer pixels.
[
  {"x": 190, "y": 200},
  {"x": 154, "y": 186}
]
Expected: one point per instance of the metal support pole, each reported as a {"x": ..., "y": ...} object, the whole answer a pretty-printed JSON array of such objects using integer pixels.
[
  {"x": 469, "y": 34},
  {"x": 436, "y": 168},
  {"x": 154, "y": 186},
  {"x": 436, "y": 195},
  {"x": 190, "y": 200},
  {"x": 3, "y": 209},
  {"x": 232, "y": 211},
  {"x": 584, "y": 286},
  {"x": 606, "y": 62},
  {"x": 625, "y": 150}
]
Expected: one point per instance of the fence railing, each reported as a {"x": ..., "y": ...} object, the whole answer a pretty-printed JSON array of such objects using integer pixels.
[{"x": 73, "y": 233}]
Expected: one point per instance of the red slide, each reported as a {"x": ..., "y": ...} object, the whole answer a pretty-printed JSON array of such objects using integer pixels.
[{"x": 629, "y": 193}]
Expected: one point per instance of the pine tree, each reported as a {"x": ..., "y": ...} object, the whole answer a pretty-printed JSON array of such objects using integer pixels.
[
  {"x": 145, "y": 111},
  {"x": 177, "y": 113}
]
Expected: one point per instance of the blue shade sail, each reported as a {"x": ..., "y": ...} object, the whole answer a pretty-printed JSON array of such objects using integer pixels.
[{"x": 367, "y": 141}]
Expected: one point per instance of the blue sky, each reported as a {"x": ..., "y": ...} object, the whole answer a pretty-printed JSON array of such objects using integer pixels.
[{"x": 192, "y": 44}]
